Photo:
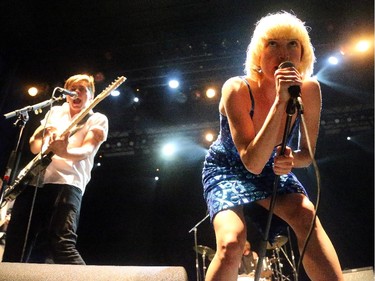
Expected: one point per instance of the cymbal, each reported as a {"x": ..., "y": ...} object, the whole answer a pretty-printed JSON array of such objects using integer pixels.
[
  {"x": 278, "y": 242},
  {"x": 204, "y": 250}
]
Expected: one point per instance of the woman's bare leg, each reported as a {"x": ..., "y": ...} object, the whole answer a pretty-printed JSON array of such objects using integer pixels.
[
  {"x": 230, "y": 231},
  {"x": 320, "y": 260}
]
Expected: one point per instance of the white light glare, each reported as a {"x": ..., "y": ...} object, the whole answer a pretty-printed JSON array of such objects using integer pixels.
[
  {"x": 333, "y": 60},
  {"x": 210, "y": 93},
  {"x": 209, "y": 137},
  {"x": 362, "y": 46},
  {"x": 115, "y": 93},
  {"x": 33, "y": 91},
  {"x": 169, "y": 149},
  {"x": 173, "y": 84}
]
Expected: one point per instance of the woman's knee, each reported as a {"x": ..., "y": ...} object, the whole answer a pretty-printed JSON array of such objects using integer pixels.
[
  {"x": 301, "y": 215},
  {"x": 230, "y": 247},
  {"x": 230, "y": 231}
]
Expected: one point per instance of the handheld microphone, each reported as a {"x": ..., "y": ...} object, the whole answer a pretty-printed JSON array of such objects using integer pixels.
[
  {"x": 294, "y": 90},
  {"x": 72, "y": 94}
]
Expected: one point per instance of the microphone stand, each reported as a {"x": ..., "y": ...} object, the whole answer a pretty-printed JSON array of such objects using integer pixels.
[
  {"x": 195, "y": 229},
  {"x": 13, "y": 161},
  {"x": 293, "y": 264},
  {"x": 14, "y": 157},
  {"x": 290, "y": 110}
]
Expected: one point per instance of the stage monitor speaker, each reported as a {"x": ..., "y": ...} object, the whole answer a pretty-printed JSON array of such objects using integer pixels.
[
  {"x": 61, "y": 272},
  {"x": 359, "y": 274}
]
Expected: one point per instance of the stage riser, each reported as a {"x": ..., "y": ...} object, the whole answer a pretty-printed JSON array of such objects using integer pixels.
[
  {"x": 54, "y": 272},
  {"x": 359, "y": 274}
]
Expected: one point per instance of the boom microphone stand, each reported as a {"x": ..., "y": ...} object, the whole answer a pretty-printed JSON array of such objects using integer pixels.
[
  {"x": 293, "y": 262},
  {"x": 14, "y": 157},
  {"x": 196, "y": 246},
  {"x": 22, "y": 118},
  {"x": 293, "y": 102}
]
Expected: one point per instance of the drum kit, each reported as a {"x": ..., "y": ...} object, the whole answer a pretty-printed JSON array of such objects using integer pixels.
[
  {"x": 272, "y": 268},
  {"x": 206, "y": 252}
]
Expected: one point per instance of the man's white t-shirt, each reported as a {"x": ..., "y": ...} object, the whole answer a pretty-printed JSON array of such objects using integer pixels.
[{"x": 63, "y": 171}]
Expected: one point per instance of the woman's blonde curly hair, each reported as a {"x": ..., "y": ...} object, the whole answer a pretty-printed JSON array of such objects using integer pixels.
[{"x": 281, "y": 25}]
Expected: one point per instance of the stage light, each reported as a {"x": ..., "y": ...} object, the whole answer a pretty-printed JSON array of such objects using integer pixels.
[
  {"x": 115, "y": 93},
  {"x": 333, "y": 60},
  {"x": 357, "y": 47},
  {"x": 169, "y": 149},
  {"x": 209, "y": 137},
  {"x": 362, "y": 46},
  {"x": 173, "y": 84},
  {"x": 210, "y": 93},
  {"x": 32, "y": 91}
]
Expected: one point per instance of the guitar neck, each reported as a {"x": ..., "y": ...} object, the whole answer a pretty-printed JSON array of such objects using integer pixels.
[
  {"x": 81, "y": 115},
  {"x": 98, "y": 99}
]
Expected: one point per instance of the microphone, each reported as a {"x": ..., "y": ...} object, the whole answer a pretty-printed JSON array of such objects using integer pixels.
[
  {"x": 294, "y": 90},
  {"x": 72, "y": 94}
]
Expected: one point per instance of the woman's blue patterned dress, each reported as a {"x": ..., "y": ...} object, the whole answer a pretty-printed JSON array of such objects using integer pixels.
[{"x": 226, "y": 181}]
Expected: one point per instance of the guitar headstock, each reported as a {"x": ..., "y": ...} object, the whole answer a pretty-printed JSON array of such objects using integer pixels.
[
  {"x": 105, "y": 93},
  {"x": 113, "y": 86}
]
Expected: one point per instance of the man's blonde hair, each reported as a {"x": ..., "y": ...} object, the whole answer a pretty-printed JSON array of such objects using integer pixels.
[
  {"x": 282, "y": 25},
  {"x": 81, "y": 77}
]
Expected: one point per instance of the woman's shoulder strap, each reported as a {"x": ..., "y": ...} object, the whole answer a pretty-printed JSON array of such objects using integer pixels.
[{"x": 251, "y": 95}]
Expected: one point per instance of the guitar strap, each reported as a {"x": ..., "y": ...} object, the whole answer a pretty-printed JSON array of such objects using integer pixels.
[
  {"x": 80, "y": 124},
  {"x": 77, "y": 127}
]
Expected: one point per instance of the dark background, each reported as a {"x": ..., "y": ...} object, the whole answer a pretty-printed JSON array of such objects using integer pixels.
[{"x": 127, "y": 217}]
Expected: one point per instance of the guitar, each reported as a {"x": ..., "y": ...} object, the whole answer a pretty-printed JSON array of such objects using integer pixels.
[{"x": 42, "y": 160}]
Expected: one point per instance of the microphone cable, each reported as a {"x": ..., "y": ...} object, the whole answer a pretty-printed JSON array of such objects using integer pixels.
[
  {"x": 37, "y": 185},
  {"x": 299, "y": 104},
  {"x": 317, "y": 175}
]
